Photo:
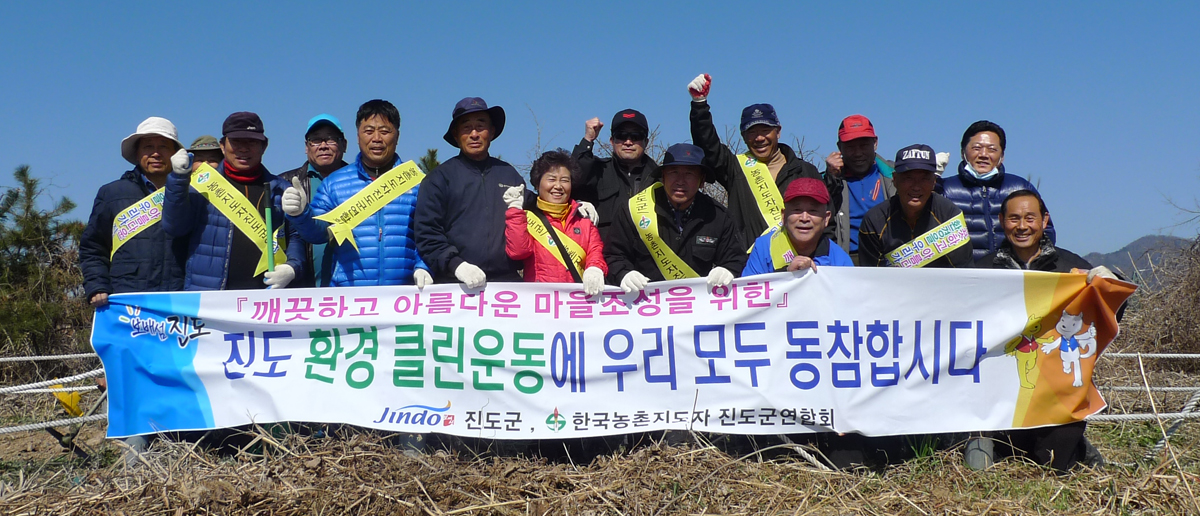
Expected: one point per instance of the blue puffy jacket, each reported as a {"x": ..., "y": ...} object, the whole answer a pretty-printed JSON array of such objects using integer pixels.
[
  {"x": 187, "y": 213},
  {"x": 387, "y": 251},
  {"x": 980, "y": 202}
]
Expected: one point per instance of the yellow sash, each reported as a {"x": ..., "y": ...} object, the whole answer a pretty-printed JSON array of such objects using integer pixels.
[
  {"x": 384, "y": 189},
  {"x": 934, "y": 244},
  {"x": 136, "y": 218},
  {"x": 235, "y": 207},
  {"x": 782, "y": 251},
  {"x": 542, "y": 235},
  {"x": 766, "y": 194},
  {"x": 641, "y": 207}
]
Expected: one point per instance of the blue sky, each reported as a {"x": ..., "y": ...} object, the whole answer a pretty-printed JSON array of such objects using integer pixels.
[{"x": 1099, "y": 99}]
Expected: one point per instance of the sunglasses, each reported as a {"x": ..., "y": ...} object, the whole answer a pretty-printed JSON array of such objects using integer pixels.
[{"x": 634, "y": 137}]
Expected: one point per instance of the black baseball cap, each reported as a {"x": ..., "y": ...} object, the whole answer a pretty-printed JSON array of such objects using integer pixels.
[
  {"x": 916, "y": 157},
  {"x": 629, "y": 116},
  {"x": 243, "y": 124}
]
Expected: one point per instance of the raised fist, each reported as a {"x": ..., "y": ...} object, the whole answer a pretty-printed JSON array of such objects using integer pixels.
[
  {"x": 699, "y": 87},
  {"x": 591, "y": 129}
]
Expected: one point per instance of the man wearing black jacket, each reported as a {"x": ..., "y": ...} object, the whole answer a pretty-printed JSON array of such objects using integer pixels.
[
  {"x": 1024, "y": 218},
  {"x": 692, "y": 236},
  {"x": 324, "y": 145},
  {"x": 756, "y": 179},
  {"x": 459, "y": 224},
  {"x": 610, "y": 182},
  {"x": 139, "y": 256},
  {"x": 915, "y": 227}
]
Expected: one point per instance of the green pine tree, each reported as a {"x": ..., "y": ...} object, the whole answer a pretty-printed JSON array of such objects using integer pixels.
[
  {"x": 41, "y": 305},
  {"x": 429, "y": 161}
]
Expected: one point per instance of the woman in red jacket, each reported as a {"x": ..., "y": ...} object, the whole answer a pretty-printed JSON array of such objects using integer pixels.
[{"x": 548, "y": 256}]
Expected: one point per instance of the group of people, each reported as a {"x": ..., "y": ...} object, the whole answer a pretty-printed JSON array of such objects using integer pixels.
[{"x": 210, "y": 216}]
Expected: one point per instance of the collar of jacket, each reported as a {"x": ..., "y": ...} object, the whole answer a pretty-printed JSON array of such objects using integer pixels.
[
  {"x": 969, "y": 179},
  {"x": 1047, "y": 255},
  {"x": 362, "y": 169},
  {"x": 311, "y": 172},
  {"x": 481, "y": 165},
  {"x": 694, "y": 210},
  {"x": 137, "y": 177}
]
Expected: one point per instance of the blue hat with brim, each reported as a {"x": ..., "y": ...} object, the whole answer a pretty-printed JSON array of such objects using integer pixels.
[
  {"x": 324, "y": 119},
  {"x": 687, "y": 155}
]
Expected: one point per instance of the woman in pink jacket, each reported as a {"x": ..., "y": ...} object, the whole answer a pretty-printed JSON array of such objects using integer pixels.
[{"x": 548, "y": 256}]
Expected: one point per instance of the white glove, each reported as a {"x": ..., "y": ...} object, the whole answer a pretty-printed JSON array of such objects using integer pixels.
[
  {"x": 294, "y": 200},
  {"x": 589, "y": 212},
  {"x": 514, "y": 197},
  {"x": 421, "y": 278},
  {"x": 181, "y": 162},
  {"x": 943, "y": 159},
  {"x": 1101, "y": 271},
  {"x": 634, "y": 281},
  {"x": 719, "y": 277},
  {"x": 470, "y": 275},
  {"x": 593, "y": 281},
  {"x": 699, "y": 86},
  {"x": 280, "y": 277}
]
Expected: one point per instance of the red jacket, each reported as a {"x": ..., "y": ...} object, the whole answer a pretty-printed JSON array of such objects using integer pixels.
[{"x": 540, "y": 264}]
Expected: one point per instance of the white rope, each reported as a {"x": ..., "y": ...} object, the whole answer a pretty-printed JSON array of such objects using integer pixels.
[
  {"x": 1142, "y": 417},
  {"x": 46, "y": 357},
  {"x": 51, "y": 424},
  {"x": 1151, "y": 355},
  {"x": 69, "y": 379},
  {"x": 59, "y": 389},
  {"x": 1143, "y": 389}
]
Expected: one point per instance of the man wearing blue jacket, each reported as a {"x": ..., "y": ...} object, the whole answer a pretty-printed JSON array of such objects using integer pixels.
[
  {"x": 981, "y": 185},
  {"x": 381, "y": 249},
  {"x": 460, "y": 208},
  {"x": 801, "y": 243},
  {"x": 227, "y": 253},
  {"x": 124, "y": 248}
]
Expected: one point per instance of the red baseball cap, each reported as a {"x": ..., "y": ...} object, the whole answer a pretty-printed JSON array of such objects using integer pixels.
[
  {"x": 807, "y": 187},
  {"x": 855, "y": 126}
]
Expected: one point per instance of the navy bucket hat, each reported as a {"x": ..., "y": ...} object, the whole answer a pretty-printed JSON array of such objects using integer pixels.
[{"x": 470, "y": 105}]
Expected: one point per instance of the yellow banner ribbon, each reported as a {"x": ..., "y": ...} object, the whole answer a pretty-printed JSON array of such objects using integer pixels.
[
  {"x": 238, "y": 209},
  {"x": 766, "y": 193},
  {"x": 136, "y": 218},
  {"x": 782, "y": 251},
  {"x": 384, "y": 189},
  {"x": 641, "y": 207},
  {"x": 542, "y": 235},
  {"x": 934, "y": 244}
]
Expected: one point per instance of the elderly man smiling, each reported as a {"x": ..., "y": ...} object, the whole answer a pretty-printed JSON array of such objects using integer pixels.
[
  {"x": 756, "y": 178},
  {"x": 801, "y": 243}
]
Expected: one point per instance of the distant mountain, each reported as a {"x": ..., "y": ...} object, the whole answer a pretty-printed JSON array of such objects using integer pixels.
[{"x": 1135, "y": 261}]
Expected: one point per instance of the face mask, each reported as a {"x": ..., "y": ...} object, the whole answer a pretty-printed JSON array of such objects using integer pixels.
[{"x": 986, "y": 176}]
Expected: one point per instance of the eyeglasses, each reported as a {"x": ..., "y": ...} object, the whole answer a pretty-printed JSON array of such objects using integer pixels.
[
  {"x": 316, "y": 141},
  {"x": 634, "y": 137}
]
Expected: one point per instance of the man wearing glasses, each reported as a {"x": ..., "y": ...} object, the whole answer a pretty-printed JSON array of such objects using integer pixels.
[
  {"x": 373, "y": 234},
  {"x": 610, "y": 182},
  {"x": 324, "y": 144}
]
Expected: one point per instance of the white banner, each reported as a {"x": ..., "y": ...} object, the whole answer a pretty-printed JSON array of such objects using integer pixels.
[{"x": 876, "y": 351}]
